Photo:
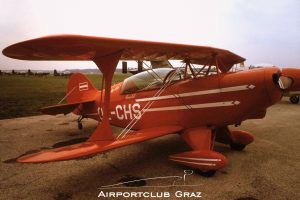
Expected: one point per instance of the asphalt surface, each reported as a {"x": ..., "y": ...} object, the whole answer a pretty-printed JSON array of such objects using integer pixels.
[{"x": 269, "y": 168}]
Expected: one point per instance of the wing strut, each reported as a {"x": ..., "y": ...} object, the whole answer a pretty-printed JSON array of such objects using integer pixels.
[{"x": 107, "y": 65}]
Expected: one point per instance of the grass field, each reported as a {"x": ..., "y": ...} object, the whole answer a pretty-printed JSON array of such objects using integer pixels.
[{"x": 24, "y": 95}]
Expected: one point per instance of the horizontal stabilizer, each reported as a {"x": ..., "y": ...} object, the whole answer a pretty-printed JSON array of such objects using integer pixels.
[
  {"x": 93, "y": 147},
  {"x": 62, "y": 108}
]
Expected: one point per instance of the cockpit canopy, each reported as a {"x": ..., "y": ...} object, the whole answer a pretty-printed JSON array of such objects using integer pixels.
[{"x": 149, "y": 80}]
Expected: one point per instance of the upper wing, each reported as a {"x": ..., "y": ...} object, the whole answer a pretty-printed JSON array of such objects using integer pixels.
[
  {"x": 76, "y": 47},
  {"x": 93, "y": 147}
]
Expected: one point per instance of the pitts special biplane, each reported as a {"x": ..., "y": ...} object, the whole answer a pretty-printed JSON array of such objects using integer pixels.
[{"x": 199, "y": 100}]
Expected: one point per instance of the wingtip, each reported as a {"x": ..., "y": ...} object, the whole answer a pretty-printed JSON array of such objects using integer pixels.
[
  {"x": 64, "y": 153},
  {"x": 13, "y": 51},
  {"x": 4, "y": 51}
]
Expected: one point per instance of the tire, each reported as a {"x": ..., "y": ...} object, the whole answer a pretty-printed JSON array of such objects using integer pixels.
[
  {"x": 208, "y": 173},
  {"x": 294, "y": 99},
  {"x": 236, "y": 146}
]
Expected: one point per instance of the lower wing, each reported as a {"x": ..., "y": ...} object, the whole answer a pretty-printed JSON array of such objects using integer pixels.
[{"x": 94, "y": 147}]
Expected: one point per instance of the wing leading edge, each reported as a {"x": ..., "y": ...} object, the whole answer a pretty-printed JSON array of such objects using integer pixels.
[{"x": 77, "y": 47}]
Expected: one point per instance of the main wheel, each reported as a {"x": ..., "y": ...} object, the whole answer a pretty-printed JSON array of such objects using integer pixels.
[
  {"x": 294, "y": 99},
  {"x": 208, "y": 173},
  {"x": 237, "y": 146}
]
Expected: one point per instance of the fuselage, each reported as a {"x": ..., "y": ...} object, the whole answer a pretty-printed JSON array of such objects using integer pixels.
[{"x": 216, "y": 100}]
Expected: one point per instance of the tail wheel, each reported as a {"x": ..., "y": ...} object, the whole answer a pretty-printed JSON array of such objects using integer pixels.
[
  {"x": 294, "y": 99},
  {"x": 80, "y": 126},
  {"x": 237, "y": 146}
]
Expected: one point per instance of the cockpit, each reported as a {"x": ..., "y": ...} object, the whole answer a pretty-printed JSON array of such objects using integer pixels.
[
  {"x": 150, "y": 80},
  {"x": 156, "y": 78}
]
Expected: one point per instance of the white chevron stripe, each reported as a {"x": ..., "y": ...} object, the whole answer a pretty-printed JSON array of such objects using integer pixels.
[
  {"x": 194, "y": 163},
  {"x": 197, "y": 93},
  {"x": 194, "y": 106},
  {"x": 200, "y": 159}
]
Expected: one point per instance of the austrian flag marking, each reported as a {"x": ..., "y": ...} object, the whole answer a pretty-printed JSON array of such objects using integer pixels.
[{"x": 83, "y": 86}]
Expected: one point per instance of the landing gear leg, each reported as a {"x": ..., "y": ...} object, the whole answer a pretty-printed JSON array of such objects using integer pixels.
[
  {"x": 79, "y": 124},
  {"x": 203, "y": 159}
]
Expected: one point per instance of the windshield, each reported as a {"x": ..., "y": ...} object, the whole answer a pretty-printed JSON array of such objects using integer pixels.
[{"x": 147, "y": 80}]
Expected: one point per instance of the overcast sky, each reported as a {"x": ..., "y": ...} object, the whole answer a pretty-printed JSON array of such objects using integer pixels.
[{"x": 262, "y": 31}]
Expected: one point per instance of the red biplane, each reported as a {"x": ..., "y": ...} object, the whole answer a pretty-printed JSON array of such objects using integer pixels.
[{"x": 199, "y": 100}]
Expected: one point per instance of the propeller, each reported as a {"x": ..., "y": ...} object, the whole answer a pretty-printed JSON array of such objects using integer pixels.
[
  {"x": 294, "y": 74},
  {"x": 285, "y": 82}
]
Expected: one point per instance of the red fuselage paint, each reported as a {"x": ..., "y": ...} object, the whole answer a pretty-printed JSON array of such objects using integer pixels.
[{"x": 216, "y": 100}]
